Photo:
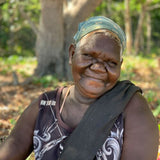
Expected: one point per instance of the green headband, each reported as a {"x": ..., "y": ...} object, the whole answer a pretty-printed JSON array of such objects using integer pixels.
[{"x": 100, "y": 22}]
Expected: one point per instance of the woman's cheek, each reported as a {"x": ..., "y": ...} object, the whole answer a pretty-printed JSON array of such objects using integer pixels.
[
  {"x": 81, "y": 64},
  {"x": 114, "y": 76}
]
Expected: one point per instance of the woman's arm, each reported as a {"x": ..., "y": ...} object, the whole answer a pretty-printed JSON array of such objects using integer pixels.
[
  {"x": 141, "y": 131},
  {"x": 19, "y": 143}
]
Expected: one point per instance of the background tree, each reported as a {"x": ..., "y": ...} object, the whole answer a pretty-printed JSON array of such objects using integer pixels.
[
  {"x": 25, "y": 22},
  {"x": 149, "y": 30},
  {"x": 17, "y": 37},
  {"x": 50, "y": 38},
  {"x": 140, "y": 25},
  {"x": 58, "y": 23},
  {"x": 146, "y": 6},
  {"x": 128, "y": 28}
]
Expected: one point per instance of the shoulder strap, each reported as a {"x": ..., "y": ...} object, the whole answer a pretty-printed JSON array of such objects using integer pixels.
[
  {"x": 68, "y": 90},
  {"x": 49, "y": 98},
  {"x": 97, "y": 122}
]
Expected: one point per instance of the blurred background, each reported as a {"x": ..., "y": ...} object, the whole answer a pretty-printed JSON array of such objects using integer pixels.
[{"x": 34, "y": 40}]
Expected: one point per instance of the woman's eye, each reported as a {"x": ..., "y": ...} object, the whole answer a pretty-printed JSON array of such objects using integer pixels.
[
  {"x": 87, "y": 55},
  {"x": 112, "y": 64}
]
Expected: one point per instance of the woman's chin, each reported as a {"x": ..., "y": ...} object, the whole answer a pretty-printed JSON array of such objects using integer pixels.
[{"x": 92, "y": 91}]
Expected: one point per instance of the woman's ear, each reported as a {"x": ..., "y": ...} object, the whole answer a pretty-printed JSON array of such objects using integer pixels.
[
  {"x": 71, "y": 53},
  {"x": 121, "y": 61}
]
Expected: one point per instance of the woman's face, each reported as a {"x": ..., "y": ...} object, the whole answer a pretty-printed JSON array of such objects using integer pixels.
[{"x": 95, "y": 64}]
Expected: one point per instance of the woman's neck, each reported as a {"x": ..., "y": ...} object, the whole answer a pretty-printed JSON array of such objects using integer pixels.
[{"x": 79, "y": 98}]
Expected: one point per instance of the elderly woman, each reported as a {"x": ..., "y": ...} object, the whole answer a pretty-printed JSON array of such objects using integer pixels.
[{"x": 99, "y": 117}]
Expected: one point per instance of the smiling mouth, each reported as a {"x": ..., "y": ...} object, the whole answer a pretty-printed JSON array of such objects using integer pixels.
[
  {"x": 95, "y": 75},
  {"x": 95, "y": 78}
]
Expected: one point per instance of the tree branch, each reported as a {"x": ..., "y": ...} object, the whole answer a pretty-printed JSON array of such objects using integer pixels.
[
  {"x": 32, "y": 25},
  {"x": 156, "y": 6},
  {"x": 2, "y": 1},
  {"x": 79, "y": 10}
]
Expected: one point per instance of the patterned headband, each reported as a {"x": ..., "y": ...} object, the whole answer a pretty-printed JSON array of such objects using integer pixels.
[{"x": 100, "y": 22}]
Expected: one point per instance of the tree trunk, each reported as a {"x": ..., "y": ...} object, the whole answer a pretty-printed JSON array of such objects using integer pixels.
[
  {"x": 140, "y": 25},
  {"x": 149, "y": 28},
  {"x": 109, "y": 9},
  {"x": 49, "y": 44},
  {"x": 128, "y": 28},
  {"x": 139, "y": 31},
  {"x": 81, "y": 9},
  {"x": 142, "y": 43},
  {"x": 57, "y": 27}
]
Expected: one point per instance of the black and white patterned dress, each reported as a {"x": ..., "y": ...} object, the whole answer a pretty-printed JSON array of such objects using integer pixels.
[{"x": 51, "y": 132}]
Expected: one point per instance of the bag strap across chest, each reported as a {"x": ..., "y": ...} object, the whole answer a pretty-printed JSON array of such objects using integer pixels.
[{"x": 97, "y": 122}]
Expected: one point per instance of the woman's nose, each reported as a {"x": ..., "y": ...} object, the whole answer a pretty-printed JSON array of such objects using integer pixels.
[{"x": 98, "y": 67}]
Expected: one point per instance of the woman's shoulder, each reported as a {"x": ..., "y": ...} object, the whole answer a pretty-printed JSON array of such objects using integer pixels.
[
  {"x": 140, "y": 128},
  {"x": 137, "y": 104},
  {"x": 50, "y": 97},
  {"x": 138, "y": 110}
]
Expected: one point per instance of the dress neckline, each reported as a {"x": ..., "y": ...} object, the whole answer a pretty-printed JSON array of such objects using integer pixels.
[{"x": 58, "y": 115}]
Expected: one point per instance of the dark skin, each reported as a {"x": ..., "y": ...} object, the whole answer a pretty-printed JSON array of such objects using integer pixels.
[
  {"x": 95, "y": 69},
  {"x": 19, "y": 144},
  {"x": 141, "y": 133},
  {"x": 96, "y": 66}
]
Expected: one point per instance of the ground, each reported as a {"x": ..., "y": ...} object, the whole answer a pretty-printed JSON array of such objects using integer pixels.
[{"x": 15, "y": 98}]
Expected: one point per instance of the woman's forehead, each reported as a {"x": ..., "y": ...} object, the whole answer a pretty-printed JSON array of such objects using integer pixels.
[
  {"x": 99, "y": 44},
  {"x": 96, "y": 36}
]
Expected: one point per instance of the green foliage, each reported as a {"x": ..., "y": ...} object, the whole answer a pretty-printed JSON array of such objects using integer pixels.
[
  {"x": 46, "y": 81},
  {"x": 27, "y": 33},
  {"x": 130, "y": 63},
  {"x": 155, "y": 1},
  {"x": 135, "y": 7},
  {"x": 155, "y": 16},
  {"x": 7, "y": 65},
  {"x": 156, "y": 112},
  {"x": 101, "y": 9},
  {"x": 116, "y": 9},
  {"x": 150, "y": 96},
  {"x": 16, "y": 36},
  {"x": 108, "y": 10},
  {"x": 15, "y": 59},
  {"x": 12, "y": 121},
  {"x": 159, "y": 127}
]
